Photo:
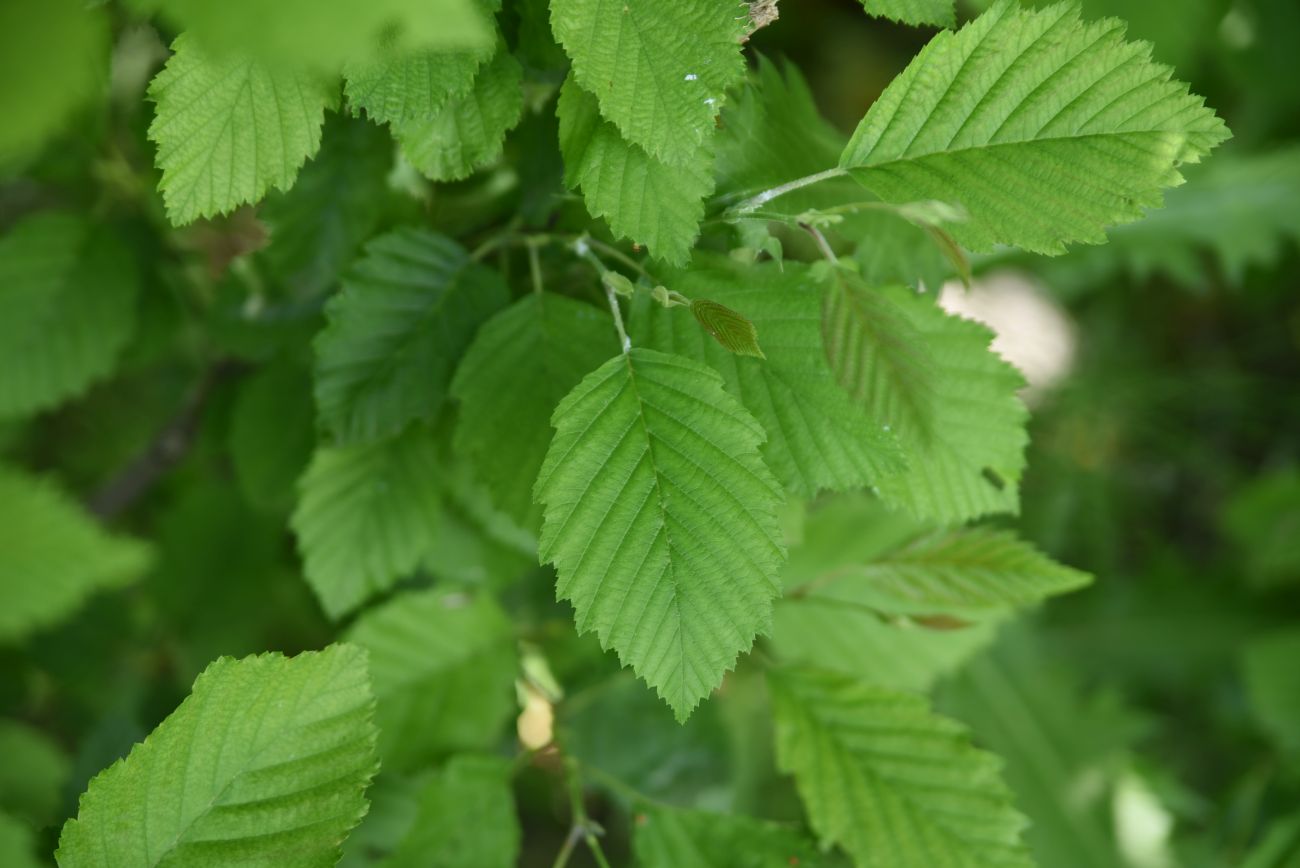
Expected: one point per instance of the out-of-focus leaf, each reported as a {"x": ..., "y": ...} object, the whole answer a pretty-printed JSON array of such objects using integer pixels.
[
  {"x": 465, "y": 819},
  {"x": 1269, "y": 665}
]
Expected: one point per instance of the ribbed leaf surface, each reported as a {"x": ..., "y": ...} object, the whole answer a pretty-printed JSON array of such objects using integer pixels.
[
  {"x": 937, "y": 12},
  {"x": 414, "y": 85},
  {"x": 817, "y": 436},
  {"x": 468, "y": 131},
  {"x": 524, "y": 360},
  {"x": 465, "y": 819},
  {"x": 643, "y": 199},
  {"x": 264, "y": 764},
  {"x": 407, "y": 311},
  {"x": 443, "y": 666},
  {"x": 367, "y": 517},
  {"x": 667, "y": 837},
  {"x": 67, "y": 291},
  {"x": 229, "y": 128},
  {"x": 1046, "y": 129},
  {"x": 888, "y": 780},
  {"x": 660, "y": 518},
  {"x": 933, "y": 380},
  {"x": 53, "y": 556},
  {"x": 659, "y": 70}
]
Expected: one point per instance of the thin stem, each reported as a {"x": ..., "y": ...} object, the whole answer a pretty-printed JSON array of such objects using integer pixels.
[
  {"x": 582, "y": 247},
  {"x": 583, "y": 828},
  {"x": 535, "y": 266},
  {"x": 822, "y": 243},
  {"x": 620, "y": 257},
  {"x": 570, "y": 842},
  {"x": 755, "y": 202}
]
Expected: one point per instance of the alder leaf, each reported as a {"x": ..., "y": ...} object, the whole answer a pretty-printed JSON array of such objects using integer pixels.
[
  {"x": 660, "y": 518},
  {"x": 668, "y": 837},
  {"x": 68, "y": 291},
  {"x": 931, "y": 377},
  {"x": 468, "y": 131},
  {"x": 660, "y": 71},
  {"x": 265, "y": 763},
  {"x": 414, "y": 85},
  {"x": 367, "y": 516},
  {"x": 466, "y": 816},
  {"x": 443, "y": 665},
  {"x": 937, "y": 12},
  {"x": 888, "y": 780},
  {"x": 523, "y": 361},
  {"x": 642, "y": 198},
  {"x": 408, "y": 309},
  {"x": 229, "y": 128},
  {"x": 729, "y": 328},
  {"x": 818, "y": 438},
  {"x": 53, "y": 556},
  {"x": 1044, "y": 128}
]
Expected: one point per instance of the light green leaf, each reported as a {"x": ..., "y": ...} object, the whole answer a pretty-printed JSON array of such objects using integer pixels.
[
  {"x": 53, "y": 59},
  {"x": 367, "y": 517},
  {"x": 524, "y": 360},
  {"x": 415, "y": 85},
  {"x": 1047, "y": 130},
  {"x": 468, "y": 131},
  {"x": 229, "y": 128},
  {"x": 933, "y": 380},
  {"x": 17, "y": 843},
  {"x": 937, "y": 12},
  {"x": 68, "y": 291},
  {"x": 443, "y": 665},
  {"x": 667, "y": 837},
  {"x": 817, "y": 436},
  {"x": 642, "y": 198},
  {"x": 660, "y": 518},
  {"x": 659, "y": 70},
  {"x": 466, "y": 818},
  {"x": 264, "y": 764},
  {"x": 317, "y": 227},
  {"x": 888, "y": 780},
  {"x": 327, "y": 34},
  {"x": 53, "y": 556},
  {"x": 973, "y": 568},
  {"x": 34, "y": 774},
  {"x": 407, "y": 311}
]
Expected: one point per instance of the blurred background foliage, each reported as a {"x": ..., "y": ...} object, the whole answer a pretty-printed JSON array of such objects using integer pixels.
[{"x": 1150, "y": 720}]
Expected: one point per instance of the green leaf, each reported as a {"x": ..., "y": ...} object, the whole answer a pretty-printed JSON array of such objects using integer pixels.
[
  {"x": 642, "y": 198},
  {"x": 817, "y": 437},
  {"x": 327, "y": 34},
  {"x": 34, "y": 774},
  {"x": 937, "y": 12},
  {"x": 17, "y": 843},
  {"x": 68, "y": 290},
  {"x": 53, "y": 60},
  {"x": 888, "y": 780},
  {"x": 407, "y": 311},
  {"x": 367, "y": 517},
  {"x": 524, "y": 360},
  {"x": 667, "y": 837},
  {"x": 660, "y": 518},
  {"x": 53, "y": 556},
  {"x": 229, "y": 128},
  {"x": 317, "y": 227},
  {"x": 468, "y": 131},
  {"x": 265, "y": 763},
  {"x": 1273, "y": 685},
  {"x": 1045, "y": 129},
  {"x": 1262, "y": 518},
  {"x": 272, "y": 434},
  {"x": 731, "y": 329},
  {"x": 659, "y": 70},
  {"x": 443, "y": 665},
  {"x": 415, "y": 85},
  {"x": 964, "y": 568},
  {"x": 466, "y": 817},
  {"x": 933, "y": 380}
]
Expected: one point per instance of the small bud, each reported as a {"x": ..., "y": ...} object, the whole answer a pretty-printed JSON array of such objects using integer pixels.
[{"x": 618, "y": 284}]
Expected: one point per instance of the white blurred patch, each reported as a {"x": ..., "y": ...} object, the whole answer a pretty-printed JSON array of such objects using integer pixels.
[
  {"x": 1142, "y": 824},
  {"x": 1032, "y": 331}
]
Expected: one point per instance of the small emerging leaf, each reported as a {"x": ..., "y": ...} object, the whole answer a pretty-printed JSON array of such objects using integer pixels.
[{"x": 728, "y": 327}]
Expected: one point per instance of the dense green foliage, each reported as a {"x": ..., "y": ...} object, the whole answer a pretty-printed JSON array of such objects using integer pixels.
[{"x": 663, "y": 433}]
